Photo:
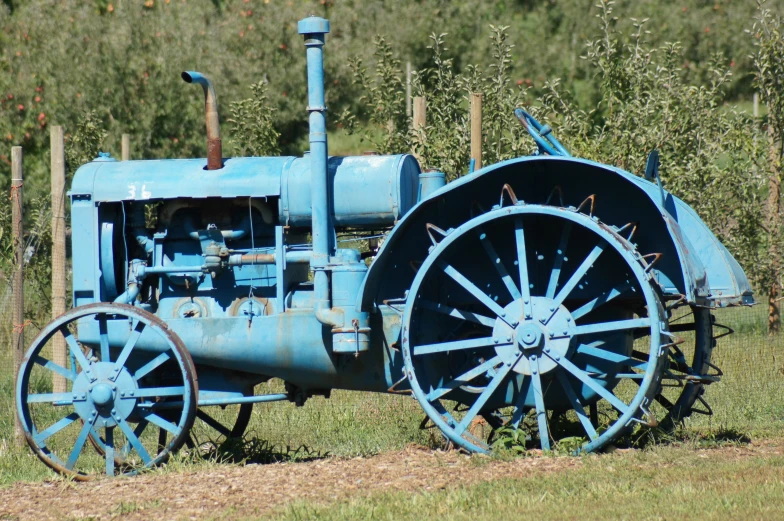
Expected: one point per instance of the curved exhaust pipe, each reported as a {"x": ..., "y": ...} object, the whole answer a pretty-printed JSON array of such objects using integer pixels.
[{"x": 214, "y": 147}]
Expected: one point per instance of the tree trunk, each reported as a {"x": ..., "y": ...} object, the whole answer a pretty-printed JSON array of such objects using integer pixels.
[{"x": 774, "y": 230}]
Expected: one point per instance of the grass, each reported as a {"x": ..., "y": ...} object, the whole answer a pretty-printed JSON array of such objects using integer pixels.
[
  {"x": 663, "y": 483},
  {"x": 348, "y": 424},
  {"x": 749, "y": 400}
]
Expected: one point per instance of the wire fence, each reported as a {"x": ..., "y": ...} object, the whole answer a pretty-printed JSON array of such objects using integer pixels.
[{"x": 748, "y": 399}]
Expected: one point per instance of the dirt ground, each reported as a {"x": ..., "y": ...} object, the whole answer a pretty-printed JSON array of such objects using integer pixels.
[{"x": 246, "y": 491}]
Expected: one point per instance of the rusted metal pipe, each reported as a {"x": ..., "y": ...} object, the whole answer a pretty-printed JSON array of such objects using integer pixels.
[{"x": 214, "y": 147}]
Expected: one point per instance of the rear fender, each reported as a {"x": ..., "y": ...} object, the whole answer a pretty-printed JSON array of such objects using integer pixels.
[{"x": 691, "y": 255}]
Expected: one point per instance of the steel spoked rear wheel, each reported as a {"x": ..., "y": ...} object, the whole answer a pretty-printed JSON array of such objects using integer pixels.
[
  {"x": 689, "y": 369},
  {"x": 535, "y": 311},
  {"x": 114, "y": 392}
]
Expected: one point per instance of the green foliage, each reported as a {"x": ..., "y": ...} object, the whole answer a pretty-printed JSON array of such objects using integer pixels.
[
  {"x": 768, "y": 59},
  {"x": 252, "y": 129},
  {"x": 646, "y": 103},
  {"x": 121, "y": 59},
  {"x": 382, "y": 103},
  {"x": 443, "y": 143},
  {"x": 509, "y": 440},
  {"x": 503, "y": 136},
  {"x": 85, "y": 143}
]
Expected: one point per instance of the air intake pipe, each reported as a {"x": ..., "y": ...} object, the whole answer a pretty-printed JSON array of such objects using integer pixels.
[
  {"x": 313, "y": 29},
  {"x": 214, "y": 148}
]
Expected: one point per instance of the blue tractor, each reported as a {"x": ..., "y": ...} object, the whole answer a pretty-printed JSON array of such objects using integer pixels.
[{"x": 537, "y": 294}]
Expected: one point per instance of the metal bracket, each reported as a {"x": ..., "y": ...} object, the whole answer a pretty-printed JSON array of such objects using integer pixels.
[
  {"x": 394, "y": 390},
  {"x": 633, "y": 225},
  {"x": 507, "y": 189},
  {"x": 556, "y": 189},
  {"x": 592, "y": 199},
  {"x": 432, "y": 227},
  {"x": 649, "y": 265}
]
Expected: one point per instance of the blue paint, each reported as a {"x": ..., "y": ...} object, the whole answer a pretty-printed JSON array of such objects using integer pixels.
[
  {"x": 367, "y": 191},
  {"x": 429, "y": 183}
]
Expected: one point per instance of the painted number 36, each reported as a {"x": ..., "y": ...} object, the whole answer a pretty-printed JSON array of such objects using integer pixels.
[{"x": 144, "y": 193}]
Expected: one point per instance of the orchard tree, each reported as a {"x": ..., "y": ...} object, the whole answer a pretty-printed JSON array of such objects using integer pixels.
[{"x": 768, "y": 61}]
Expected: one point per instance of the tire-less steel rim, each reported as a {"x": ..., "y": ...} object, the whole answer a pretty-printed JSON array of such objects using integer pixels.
[
  {"x": 115, "y": 394},
  {"x": 546, "y": 310}
]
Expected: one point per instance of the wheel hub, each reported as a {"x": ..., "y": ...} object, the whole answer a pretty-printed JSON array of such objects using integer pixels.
[
  {"x": 104, "y": 399},
  {"x": 529, "y": 336},
  {"x": 548, "y": 327},
  {"x": 102, "y": 394}
]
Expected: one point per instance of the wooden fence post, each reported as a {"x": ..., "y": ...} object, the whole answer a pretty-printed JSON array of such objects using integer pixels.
[
  {"x": 755, "y": 110},
  {"x": 408, "y": 89},
  {"x": 126, "y": 147},
  {"x": 476, "y": 129},
  {"x": 17, "y": 336},
  {"x": 420, "y": 118},
  {"x": 57, "y": 144}
]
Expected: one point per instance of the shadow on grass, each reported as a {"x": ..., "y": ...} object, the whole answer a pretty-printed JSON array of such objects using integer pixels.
[
  {"x": 252, "y": 450},
  {"x": 656, "y": 436}
]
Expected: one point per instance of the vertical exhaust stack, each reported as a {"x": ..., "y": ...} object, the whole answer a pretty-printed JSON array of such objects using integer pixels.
[
  {"x": 313, "y": 29},
  {"x": 214, "y": 147}
]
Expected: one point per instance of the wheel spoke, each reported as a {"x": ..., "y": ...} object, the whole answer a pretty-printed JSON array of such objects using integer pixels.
[
  {"x": 471, "y": 288},
  {"x": 587, "y": 380},
  {"x": 212, "y": 422},
  {"x": 457, "y": 313},
  {"x": 54, "y": 398},
  {"x": 522, "y": 265},
  {"x": 519, "y": 410},
  {"x": 541, "y": 412},
  {"x": 577, "y": 406},
  {"x": 455, "y": 345},
  {"x": 54, "y": 367},
  {"x": 599, "y": 301},
  {"x": 613, "y": 376},
  {"x": 137, "y": 432},
  {"x": 129, "y": 345},
  {"x": 484, "y": 396},
  {"x": 163, "y": 424},
  {"x": 560, "y": 254},
  {"x": 154, "y": 392},
  {"x": 162, "y": 439},
  {"x": 73, "y": 346},
  {"x": 152, "y": 365},
  {"x": 463, "y": 379},
  {"x": 109, "y": 448},
  {"x": 42, "y": 436},
  {"x": 499, "y": 266},
  {"x": 617, "y": 325},
  {"x": 588, "y": 349},
  {"x": 579, "y": 273},
  {"x": 86, "y": 428},
  {"x": 682, "y": 328},
  {"x": 133, "y": 439},
  {"x": 103, "y": 329}
]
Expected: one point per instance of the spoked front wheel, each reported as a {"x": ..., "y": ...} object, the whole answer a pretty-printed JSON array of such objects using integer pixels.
[
  {"x": 535, "y": 309},
  {"x": 113, "y": 392}
]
